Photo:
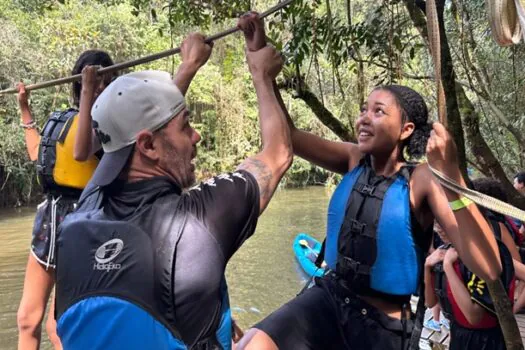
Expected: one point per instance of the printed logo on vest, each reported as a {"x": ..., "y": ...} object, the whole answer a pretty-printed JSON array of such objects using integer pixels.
[{"x": 106, "y": 253}]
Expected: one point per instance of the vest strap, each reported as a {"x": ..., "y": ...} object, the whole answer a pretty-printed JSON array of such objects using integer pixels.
[
  {"x": 357, "y": 245},
  {"x": 355, "y": 266}
]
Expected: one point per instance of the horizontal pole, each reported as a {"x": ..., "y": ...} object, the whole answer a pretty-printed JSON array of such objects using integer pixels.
[{"x": 142, "y": 60}]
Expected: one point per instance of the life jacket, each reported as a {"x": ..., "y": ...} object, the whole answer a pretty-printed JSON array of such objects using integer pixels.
[
  {"x": 115, "y": 283},
  {"x": 449, "y": 306},
  {"x": 58, "y": 171},
  {"x": 377, "y": 252}
]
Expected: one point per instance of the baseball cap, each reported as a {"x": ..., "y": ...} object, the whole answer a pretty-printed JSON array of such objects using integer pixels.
[{"x": 137, "y": 101}]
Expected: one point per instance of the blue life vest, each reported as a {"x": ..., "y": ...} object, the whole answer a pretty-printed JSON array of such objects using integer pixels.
[
  {"x": 370, "y": 241},
  {"x": 115, "y": 283}
]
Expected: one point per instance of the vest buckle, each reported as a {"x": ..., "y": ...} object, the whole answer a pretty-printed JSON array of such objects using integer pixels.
[
  {"x": 356, "y": 267},
  {"x": 368, "y": 189},
  {"x": 357, "y": 227}
]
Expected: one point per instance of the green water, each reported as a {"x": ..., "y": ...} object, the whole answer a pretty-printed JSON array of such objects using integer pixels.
[{"x": 262, "y": 275}]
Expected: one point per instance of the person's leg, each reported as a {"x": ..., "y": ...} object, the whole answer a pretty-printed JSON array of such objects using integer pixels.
[
  {"x": 37, "y": 286},
  {"x": 255, "y": 339},
  {"x": 51, "y": 326},
  {"x": 435, "y": 312}
]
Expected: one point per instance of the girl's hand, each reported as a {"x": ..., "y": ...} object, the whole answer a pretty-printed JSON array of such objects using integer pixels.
[{"x": 442, "y": 152}]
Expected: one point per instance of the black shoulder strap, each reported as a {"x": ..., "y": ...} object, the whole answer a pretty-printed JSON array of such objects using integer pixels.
[
  {"x": 67, "y": 116},
  {"x": 320, "y": 257},
  {"x": 495, "y": 228},
  {"x": 420, "y": 318},
  {"x": 407, "y": 170}
]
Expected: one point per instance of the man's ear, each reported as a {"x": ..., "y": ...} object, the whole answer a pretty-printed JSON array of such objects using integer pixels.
[
  {"x": 145, "y": 145},
  {"x": 407, "y": 130}
]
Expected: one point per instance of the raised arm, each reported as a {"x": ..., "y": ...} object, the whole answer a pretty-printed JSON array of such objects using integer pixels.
[
  {"x": 335, "y": 156},
  {"x": 28, "y": 124},
  {"x": 466, "y": 227},
  {"x": 195, "y": 53},
  {"x": 270, "y": 164},
  {"x": 86, "y": 142}
]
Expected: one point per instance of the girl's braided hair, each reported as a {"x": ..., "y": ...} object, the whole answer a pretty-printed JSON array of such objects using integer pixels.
[{"x": 413, "y": 109}]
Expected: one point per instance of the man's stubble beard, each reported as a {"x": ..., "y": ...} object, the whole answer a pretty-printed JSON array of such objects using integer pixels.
[{"x": 175, "y": 165}]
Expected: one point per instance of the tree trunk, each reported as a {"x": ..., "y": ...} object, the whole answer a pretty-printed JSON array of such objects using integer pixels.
[
  {"x": 456, "y": 100},
  {"x": 509, "y": 327},
  {"x": 479, "y": 148},
  {"x": 503, "y": 308},
  {"x": 321, "y": 112}
]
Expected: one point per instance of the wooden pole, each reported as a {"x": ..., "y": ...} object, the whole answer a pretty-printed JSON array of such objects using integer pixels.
[{"x": 142, "y": 60}]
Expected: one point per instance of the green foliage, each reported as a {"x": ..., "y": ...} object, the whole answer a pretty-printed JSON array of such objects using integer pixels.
[
  {"x": 43, "y": 43},
  {"x": 338, "y": 57}
]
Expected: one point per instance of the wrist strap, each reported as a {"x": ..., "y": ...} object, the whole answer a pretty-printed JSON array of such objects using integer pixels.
[
  {"x": 30, "y": 125},
  {"x": 460, "y": 203}
]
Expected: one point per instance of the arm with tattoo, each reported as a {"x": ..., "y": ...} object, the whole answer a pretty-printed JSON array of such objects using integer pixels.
[
  {"x": 270, "y": 164},
  {"x": 265, "y": 63},
  {"x": 334, "y": 156},
  {"x": 262, "y": 174}
]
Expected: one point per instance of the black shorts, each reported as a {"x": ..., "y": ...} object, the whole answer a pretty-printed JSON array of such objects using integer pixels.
[
  {"x": 480, "y": 339},
  {"x": 322, "y": 318},
  {"x": 50, "y": 213}
]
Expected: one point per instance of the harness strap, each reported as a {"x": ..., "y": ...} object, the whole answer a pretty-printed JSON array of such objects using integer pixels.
[
  {"x": 440, "y": 288},
  {"x": 320, "y": 258},
  {"x": 418, "y": 322},
  {"x": 359, "y": 228},
  {"x": 51, "y": 254},
  {"x": 67, "y": 118}
]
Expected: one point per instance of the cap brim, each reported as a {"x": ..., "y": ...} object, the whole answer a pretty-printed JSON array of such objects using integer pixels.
[{"x": 111, "y": 165}]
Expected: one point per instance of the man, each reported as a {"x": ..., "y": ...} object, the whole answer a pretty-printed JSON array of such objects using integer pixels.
[{"x": 141, "y": 263}]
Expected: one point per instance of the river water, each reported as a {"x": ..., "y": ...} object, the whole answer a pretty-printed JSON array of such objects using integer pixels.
[{"x": 262, "y": 275}]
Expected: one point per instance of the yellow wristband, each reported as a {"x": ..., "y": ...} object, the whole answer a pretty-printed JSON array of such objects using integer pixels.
[{"x": 461, "y": 203}]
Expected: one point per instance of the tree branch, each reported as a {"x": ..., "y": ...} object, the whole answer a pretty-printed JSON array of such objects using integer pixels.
[
  {"x": 481, "y": 151},
  {"x": 321, "y": 112}
]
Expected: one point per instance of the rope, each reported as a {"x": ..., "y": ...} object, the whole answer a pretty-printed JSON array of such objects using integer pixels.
[
  {"x": 479, "y": 198},
  {"x": 509, "y": 326},
  {"x": 435, "y": 50},
  {"x": 142, "y": 60},
  {"x": 505, "y": 17}
]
